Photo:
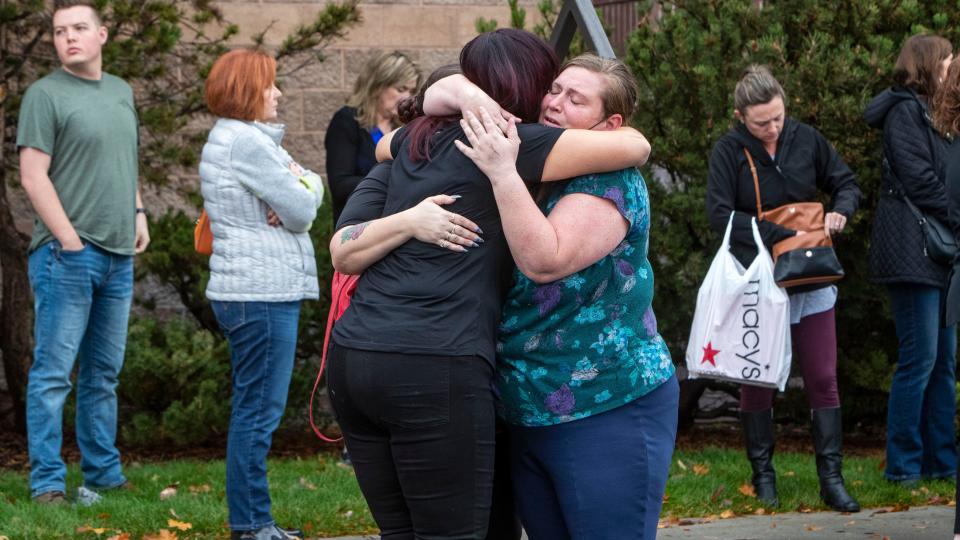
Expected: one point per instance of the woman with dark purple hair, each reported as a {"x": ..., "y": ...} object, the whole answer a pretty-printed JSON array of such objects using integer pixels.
[{"x": 412, "y": 359}]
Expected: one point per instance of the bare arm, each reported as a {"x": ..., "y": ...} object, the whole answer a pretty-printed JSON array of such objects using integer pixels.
[
  {"x": 457, "y": 95},
  {"x": 34, "y": 170},
  {"x": 355, "y": 247},
  {"x": 383, "y": 152},
  {"x": 580, "y": 230},
  {"x": 580, "y": 151}
]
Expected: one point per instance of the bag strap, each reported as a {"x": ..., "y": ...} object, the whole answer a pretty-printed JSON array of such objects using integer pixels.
[
  {"x": 331, "y": 318},
  {"x": 756, "y": 182},
  {"x": 901, "y": 192}
]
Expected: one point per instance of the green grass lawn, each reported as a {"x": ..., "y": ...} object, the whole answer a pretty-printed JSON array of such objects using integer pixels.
[
  {"x": 322, "y": 497},
  {"x": 315, "y": 494}
]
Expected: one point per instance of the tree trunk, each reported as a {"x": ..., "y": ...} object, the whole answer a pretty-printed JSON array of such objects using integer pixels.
[
  {"x": 16, "y": 309},
  {"x": 16, "y": 301}
]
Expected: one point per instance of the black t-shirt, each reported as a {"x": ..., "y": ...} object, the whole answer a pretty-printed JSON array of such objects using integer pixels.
[{"x": 421, "y": 298}]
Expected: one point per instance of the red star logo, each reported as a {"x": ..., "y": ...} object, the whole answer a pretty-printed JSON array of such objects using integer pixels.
[{"x": 709, "y": 354}]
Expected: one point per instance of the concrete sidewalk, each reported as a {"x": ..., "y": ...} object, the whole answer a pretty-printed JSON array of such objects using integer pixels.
[{"x": 920, "y": 523}]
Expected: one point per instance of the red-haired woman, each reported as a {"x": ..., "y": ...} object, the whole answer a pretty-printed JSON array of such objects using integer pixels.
[
  {"x": 261, "y": 204},
  {"x": 412, "y": 360}
]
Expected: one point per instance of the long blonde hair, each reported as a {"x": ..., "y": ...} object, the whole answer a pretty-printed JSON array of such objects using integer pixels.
[{"x": 378, "y": 74}]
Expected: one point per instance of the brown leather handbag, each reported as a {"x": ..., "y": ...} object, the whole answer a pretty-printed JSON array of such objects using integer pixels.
[{"x": 805, "y": 259}]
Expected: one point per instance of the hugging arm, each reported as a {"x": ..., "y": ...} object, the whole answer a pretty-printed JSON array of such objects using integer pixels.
[
  {"x": 580, "y": 230},
  {"x": 577, "y": 152},
  {"x": 363, "y": 237}
]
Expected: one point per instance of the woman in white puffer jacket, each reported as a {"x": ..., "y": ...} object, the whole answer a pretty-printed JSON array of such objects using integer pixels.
[{"x": 261, "y": 204}]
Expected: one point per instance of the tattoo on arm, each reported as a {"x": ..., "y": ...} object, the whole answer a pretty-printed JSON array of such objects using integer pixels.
[{"x": 352, "y": 233}]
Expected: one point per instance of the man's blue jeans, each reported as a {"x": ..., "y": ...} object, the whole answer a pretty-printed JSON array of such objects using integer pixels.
[
  {"x": 263, "y": 343},
  {"x": 920, "y": 433},
  {"x": 82, "y": 305}
]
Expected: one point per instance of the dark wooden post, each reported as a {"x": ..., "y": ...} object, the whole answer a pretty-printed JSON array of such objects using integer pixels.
[{"x": 580, "y": 13}]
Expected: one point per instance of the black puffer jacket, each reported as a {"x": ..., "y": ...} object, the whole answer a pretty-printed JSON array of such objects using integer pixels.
[
  {"x": 913, "y": 152},
  {"x": 804, "y": 163}
]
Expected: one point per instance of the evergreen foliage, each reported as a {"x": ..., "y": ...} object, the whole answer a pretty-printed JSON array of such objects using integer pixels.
[{"x": 832, "y": 58}]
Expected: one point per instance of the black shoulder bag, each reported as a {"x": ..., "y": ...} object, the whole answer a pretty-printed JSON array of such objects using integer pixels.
[{"x": 939, "y": 244}]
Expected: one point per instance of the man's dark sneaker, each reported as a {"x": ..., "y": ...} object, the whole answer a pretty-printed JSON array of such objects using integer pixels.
[
  {"x": 51, "y": 497},
  {"x": 271, "y": 532}
]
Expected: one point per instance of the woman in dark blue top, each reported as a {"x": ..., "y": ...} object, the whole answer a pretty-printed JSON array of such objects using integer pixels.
[{"x": 355, "y": 130}]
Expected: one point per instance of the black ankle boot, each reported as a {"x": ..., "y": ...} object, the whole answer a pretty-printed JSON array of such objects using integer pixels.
[
  {"x": 827, "y": 441},
  {"x": 758, "y": 432}
]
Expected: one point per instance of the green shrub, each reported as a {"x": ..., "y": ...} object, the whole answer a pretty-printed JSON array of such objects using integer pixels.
[
  {"x": 832, "y": 58},
  {"x": 175, "y": 384}
]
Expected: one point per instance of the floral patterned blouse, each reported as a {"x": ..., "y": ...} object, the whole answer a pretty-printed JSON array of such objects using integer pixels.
[{"x": 587, "y": 343}]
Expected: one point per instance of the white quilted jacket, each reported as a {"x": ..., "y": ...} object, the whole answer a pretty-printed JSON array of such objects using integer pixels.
[{"x": 243, "y": 174}]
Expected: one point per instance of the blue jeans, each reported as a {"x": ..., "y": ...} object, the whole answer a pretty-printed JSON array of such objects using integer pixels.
[
  {"x": 263, "y": 343},
  {"x": 920, "y": 433},
  {"x": 82, "y": 305},
  {"x": 600, "y": 477}
]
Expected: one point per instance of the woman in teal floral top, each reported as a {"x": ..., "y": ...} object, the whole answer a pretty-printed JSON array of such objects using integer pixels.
[{"x": 585, "y": 381}]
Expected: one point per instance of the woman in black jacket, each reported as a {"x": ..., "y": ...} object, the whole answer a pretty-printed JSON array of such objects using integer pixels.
[
  {"x": 793, "y": 162},
  {"x": 947, "y": 119},
  {"x": 371, "y": 111},
  {"x": 921, "y": 409}
]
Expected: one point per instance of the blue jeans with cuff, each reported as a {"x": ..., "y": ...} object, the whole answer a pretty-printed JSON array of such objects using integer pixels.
[
  {"x": 82, "y": 307},
  {"x": 922, "y": 403},
  {"x": 263, "y": 344}
]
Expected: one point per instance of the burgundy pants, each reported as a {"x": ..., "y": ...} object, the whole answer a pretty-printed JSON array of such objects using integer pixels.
[{"x": 815, "y": 350}]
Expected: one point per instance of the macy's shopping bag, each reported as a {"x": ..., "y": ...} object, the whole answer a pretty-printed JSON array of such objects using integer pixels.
[{"x": 741, "y": 328}]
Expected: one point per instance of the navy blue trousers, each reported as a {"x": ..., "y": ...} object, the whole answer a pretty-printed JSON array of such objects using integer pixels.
[{"x": 600, "y": 477}]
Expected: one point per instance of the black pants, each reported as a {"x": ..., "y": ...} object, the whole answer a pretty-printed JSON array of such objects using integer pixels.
[{"x": 421, "y": 435}]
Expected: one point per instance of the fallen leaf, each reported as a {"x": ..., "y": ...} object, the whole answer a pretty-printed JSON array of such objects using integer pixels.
[
  {"x": 180, "y": 525},
  {"x": 900, "y": 507},
  {"x": 202, "y": 488},
  {"x": 681, "y": 465},
  {"x": 168, "y": 492},
  {"x": 700, "y": 470},
  {"x": 790, "y": 473},
  {"x": 104, "y": 515},
  {"x": 121, "y": 536},
  {"x": 727, "y": 514},
  {"x": 348, "y": 514},
  {"x": 804, "y": 509},
  {"x": 857, "y": 482},
  {"x": 952, "y": 503},
  {"x": 924, "y": 489},
  {"x": 308, "y": 527},
  {"x": 307, "y": 484},
  {"x": 747, "y": 490},
  {"x": 86, "y": 528},
  {"x": 812, "y": 528},
  {"x": 162, "y": 534},
  {"x": 760, "y": 511}
]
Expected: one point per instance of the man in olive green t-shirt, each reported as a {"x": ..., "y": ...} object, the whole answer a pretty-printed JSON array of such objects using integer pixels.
[{"x": 77, "y": 140}]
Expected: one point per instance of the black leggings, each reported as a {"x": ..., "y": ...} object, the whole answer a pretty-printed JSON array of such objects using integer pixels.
[{"x": 421, "y": 435}]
